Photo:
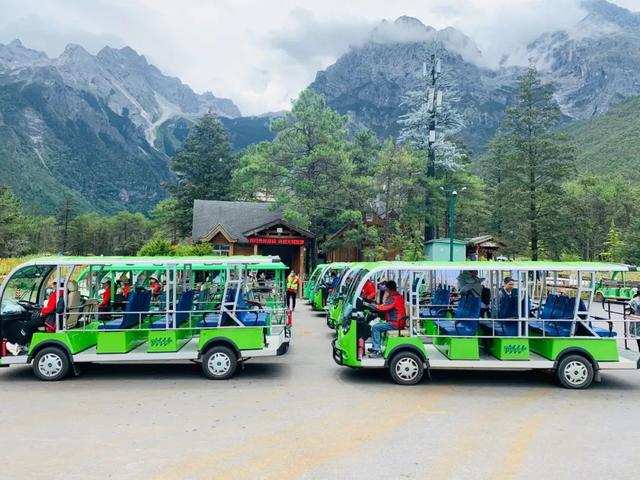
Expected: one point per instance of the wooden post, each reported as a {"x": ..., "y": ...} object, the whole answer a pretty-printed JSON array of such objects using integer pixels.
[
  {"x": 255, "y": 249},
  {"x": 231, "y": 249},
  {"x": 301, "y": 271}
]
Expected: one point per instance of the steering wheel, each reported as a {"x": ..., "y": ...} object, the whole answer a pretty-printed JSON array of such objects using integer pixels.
[{"x": 28, "y": 305}]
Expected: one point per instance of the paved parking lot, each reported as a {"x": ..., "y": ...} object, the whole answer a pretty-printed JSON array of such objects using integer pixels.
[{"x": 302, "y": 416}]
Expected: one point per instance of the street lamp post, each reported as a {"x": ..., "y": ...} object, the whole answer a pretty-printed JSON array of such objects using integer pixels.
[{"x": 453, "y": 194}]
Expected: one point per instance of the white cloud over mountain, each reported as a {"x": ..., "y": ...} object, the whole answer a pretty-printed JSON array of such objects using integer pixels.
[{"x": 261, "y": 54}]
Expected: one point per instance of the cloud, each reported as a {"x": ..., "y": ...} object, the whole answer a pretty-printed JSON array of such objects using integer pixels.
[
  {"x": 306, "y": 37},
  {"x": 38, "y": 33},
  {"x": 261, "y": 54}
]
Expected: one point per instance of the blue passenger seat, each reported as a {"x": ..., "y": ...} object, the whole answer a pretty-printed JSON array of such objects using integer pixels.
[
  {"x": 184, "y": 306},
  {"x": 558, "y": 313},
  {"x": 507, "y": 308},
  {"x": 137, "y": 303},
  {"x": 468, "y": 311},
  {"x": 439, "y": 303}
]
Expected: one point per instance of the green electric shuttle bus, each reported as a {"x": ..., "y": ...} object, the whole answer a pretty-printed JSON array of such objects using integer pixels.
[
  {"x": 309, "y": 287},
  {"x": 492, "y": 316},
  {"x": 322, "y": 288},
  {"x": 335, "y": 299},
  {"x": 210, "y": 310}
]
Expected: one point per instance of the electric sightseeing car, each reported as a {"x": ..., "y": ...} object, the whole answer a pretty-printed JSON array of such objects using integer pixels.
[
  {"x": 324, "y": 284},
  {"x": 203, "y": 309},
  {"x": 489, "y": 316}
]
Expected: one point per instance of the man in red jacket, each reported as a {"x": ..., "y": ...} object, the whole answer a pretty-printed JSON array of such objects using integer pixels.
[
  {"x": 394, "y": 315},
  {"x": 19, "y": 334}
]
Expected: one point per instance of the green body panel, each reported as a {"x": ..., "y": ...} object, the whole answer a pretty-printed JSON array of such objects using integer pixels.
[
  {"x": 75, "y": 341},
  {"x": 245, "y": 338},
  {"x": 458, "y": 348},
  {"x": 509, "y": 348},
  {"x": 393, "y": 341},
  {"x": 334, "y": 313},
  {"x": 429, "y": 327},
  {"x": 317, "y": 300},
  {"x": 349, "y": 345},
  {"x": 601, "y": 349},
  {"x": 120, "y": 342},
  {"x": 167, "y": 340}
]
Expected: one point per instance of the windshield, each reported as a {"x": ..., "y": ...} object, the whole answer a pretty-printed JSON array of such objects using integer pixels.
[
  {"x": 353, "y": 285},
  {"x": 24, "y": 285}
]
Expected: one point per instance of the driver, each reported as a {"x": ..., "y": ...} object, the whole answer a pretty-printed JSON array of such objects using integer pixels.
[
  {"x": 394, "y": 314},
  {"x": 20, "y": 333}
]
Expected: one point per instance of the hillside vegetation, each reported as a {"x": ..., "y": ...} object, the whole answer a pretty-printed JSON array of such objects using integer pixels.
[{"x": 609, "y": 144}]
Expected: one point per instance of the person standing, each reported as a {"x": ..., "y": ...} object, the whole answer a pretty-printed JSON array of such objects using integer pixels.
[
  {"x": 634, "y": 310},
  {"x": 293, "y": 280}
]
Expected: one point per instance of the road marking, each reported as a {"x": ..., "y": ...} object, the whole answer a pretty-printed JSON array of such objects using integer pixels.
[
  {"x": 517, "y": 453},
  {"x": 297, "y": 449},
  {"x": 465, "y": 442}
]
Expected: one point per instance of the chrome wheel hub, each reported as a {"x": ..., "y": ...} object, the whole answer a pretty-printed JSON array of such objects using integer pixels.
[
  {"x": 576, "y": 373},
  {"x": 219, "y": 363},
  {"x": 50, "y": 365},
  {"x": 407, "y": 369}
]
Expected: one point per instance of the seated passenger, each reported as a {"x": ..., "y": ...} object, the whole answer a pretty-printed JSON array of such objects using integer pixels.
[
  {"x": 126, "y": 285},
  {"x": 507, "y": 299},
  {"x": 19, "y": 334},
  {"x": 369, "y": 292},
  {"x": 394, "y": 314},
  {"x": 468, "y": 280},
  {"x": 105, "y": 303},
  {"x": 155, "y": 287}
]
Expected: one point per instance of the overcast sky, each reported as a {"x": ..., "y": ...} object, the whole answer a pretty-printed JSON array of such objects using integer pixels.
[{"x": 261, "y": 53}]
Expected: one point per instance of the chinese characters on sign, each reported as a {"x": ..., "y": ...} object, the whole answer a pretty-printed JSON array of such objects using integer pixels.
[{"x": 275, "y": 241}]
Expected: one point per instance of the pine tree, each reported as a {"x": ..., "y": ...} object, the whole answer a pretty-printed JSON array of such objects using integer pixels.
[
  {"x": 614, "y": 246},
  {"x": 531, "y": 161},
  {"x": 415, "y": 123},
  {"x": 203, "y": 168}
]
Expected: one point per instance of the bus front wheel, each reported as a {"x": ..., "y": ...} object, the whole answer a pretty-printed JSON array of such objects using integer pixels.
[
  {"x": 575, "y": 372},
  {"x": 406, "y": 368},
  {"x": 51, "y": 364},
  {"x": 219, "y": 363}
]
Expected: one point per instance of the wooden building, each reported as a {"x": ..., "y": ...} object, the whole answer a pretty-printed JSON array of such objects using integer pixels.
[
  {"x": 251, "y": 228},
  {"x": 484, "y": 246}
]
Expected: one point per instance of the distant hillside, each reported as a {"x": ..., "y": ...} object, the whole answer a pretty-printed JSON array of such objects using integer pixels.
[
  {"x": 89, "y": 125},
  {"x": 610, "y": 143}
]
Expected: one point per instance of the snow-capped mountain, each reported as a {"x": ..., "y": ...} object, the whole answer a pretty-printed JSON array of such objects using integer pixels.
[
  {"x": 89, "y": 124},
  {"x": 595, "y": 64}
]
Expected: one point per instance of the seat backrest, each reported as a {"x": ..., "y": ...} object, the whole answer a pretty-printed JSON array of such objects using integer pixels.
[
  {"x": 73, "y": 302},
  {"x": 548, "y": 307},
  {"x": 441, "y": 296},
  {"x": 508, "y": 306},
  {"x": 468, "y": 309},
  {"x": 185, "y": 304},
  {"x": 129, "y": 317}
]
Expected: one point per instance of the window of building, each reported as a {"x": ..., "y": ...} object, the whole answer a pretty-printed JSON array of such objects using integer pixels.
[{"x": 221, "y": 249}]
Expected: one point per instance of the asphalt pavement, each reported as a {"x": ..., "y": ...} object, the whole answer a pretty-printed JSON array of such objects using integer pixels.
[{"x": 302, "y": 416}]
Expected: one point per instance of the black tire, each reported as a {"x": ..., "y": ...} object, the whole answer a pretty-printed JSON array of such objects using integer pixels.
[
  {"x": 219, "y": 363},
  {"x": 51, "y": 364},
  {"x": 406, "y": 368},
  {"x": 575, "y": 372}
]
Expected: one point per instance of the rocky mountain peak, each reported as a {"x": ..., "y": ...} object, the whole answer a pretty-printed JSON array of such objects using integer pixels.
[
  {"x": 15, "y": 55},
  {"x": 410, "y": 22},
  {"x": 75, "y": 54},
  {"x": 125, "y": 56},
  {"x": 604, "y": 11}
]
